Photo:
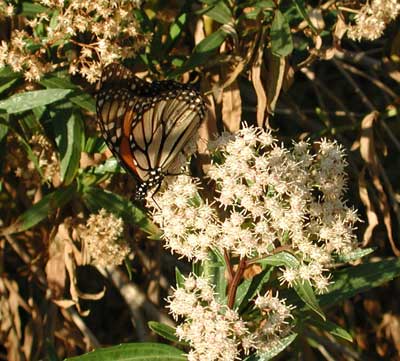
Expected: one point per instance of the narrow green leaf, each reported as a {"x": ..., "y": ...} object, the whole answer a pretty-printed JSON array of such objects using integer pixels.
[
  {"x": 303, "y": 12},
  {"x": 281, "y": 259},
  {"x": 57, "y": 81},
  {"x": 78, "y": 97},
  {"x": 305, "y": 291},
  {"x": 353, "y": 280},
  {"x": 6, "y": 83},
  {"x": 111, "y": 165},
  {"x": 247, "y": 289},
  {"x": 331, "y": 327},
  {"x": 30, "y": 9},
  {"x": 273, "y": 351},
  {"x": 94, "y": 144},
  {"x": 180, "y": 280},
  {"x": 41, "y": 210},
  {"x": 177, "y": 26},
  {"x": 84, "y": 101},
  {"x": 97, "y": 198},
  {"x": 281, "y": 38},
  {"x": 3, "y": 131},
  {"x": 145, "y": 351},
  {"x": 68, "y": 128},
  {"x": 165, "y": 331},
  {"x": 29, "y": 100},
  {"x": 6, "y": 72},
  {"x": 211, "y": 42},
  {"x": 205, "y": 49},
  {"x": 214, "y": 269},
  {"x": 354, "y": 255},
  {"x": 219, "y": 12}
]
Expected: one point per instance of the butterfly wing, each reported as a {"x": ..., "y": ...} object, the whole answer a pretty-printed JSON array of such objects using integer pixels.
[
  {"x": 164, "y": 129},
  {"x": 146, "y": 125},
  {"x": 116, "y": 109}
]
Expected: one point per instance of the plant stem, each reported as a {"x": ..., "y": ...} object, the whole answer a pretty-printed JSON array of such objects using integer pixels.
[
  {"x": 228, "y": 266},
  {"x": 232, "y": 287}
]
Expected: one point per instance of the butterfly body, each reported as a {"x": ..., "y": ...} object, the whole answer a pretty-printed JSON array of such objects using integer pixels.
[{"x": 147, "y": 125}]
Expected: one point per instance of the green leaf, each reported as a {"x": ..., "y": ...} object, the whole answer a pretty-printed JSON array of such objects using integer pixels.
[
  {"x": 281, "y": 38},
  {"x": 42, "y": 209},
  {"x": 180, "y": 280},
  {"x": 84, "y": 101},
  {"x": 29, "y": 100},
  {"x": 164, "y": 331},
  {"x": 281, "y": 259},
  {"x": 30, "y": 9},
  {"x": 6, "y": 83},
  {"x": 211, "y": 42},
  {"x": 204, "y": 50},
  {"x": 145, "y": 351},
  {"x": 273, "y": 351},
  {"x": 3, "y": 131},
  {"x": 177, "y": 26},
  {"x": 354, "y": 255},
  {"x": 69, "y": 131},
  {"x": 214, "y": 270},
  {"x": 78, "y": 97},
  {"x": 97, "y": 198},
  {"x": 306, "y": 293},
  {"x": 59, "y": 80},
  {"x": 111, "y": 165},
  {"x": 219, "y": 12},
  {"x": 353, "y": 280},
  {"x": 332, "y": 328},
  {"x": 248, "y": 289},
  {"x": 303, "y": 12}
]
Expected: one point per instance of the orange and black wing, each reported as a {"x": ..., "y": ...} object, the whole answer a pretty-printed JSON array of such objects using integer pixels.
[{"x": 146, "y": 125}]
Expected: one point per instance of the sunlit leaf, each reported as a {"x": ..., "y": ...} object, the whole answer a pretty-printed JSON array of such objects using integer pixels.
[
  {"x": 348, "y": 282},
  {"x": 145, "y": 351},
  {"x": 332, "y": 328},
  {"x": 25, "y": 101},
  {"x": 164, "y": 331},
  {"x": 305, "y": 291}
]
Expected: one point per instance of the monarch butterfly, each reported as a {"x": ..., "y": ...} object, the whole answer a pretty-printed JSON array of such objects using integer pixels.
[{"x": 146, "y": 125}]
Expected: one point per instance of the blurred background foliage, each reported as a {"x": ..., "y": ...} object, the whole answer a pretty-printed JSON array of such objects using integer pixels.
[{"x": 287, "y": 65}]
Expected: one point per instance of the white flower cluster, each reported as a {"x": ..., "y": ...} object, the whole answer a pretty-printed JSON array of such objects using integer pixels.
[
  {"x": 275, "y": 326},
  {"x": 214, "y": 331},
  {"x": 101, "y": 31},
  {"x": 372, "y": 19},
  {"x": 267, "y": 197},
  {"x": 102, "y": 239}
]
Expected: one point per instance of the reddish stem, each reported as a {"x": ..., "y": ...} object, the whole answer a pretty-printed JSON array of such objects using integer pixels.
[
  {"x": 232, "y": 286},
  {"x": 228, "y": 266}
]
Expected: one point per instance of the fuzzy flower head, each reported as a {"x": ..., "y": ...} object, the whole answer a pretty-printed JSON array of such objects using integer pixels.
[
  {"x": 213, "y": 331},
  {"x": 276, "y": 320},
  {"x": 266, "y": 196},
  {"x": 110, "y": 28},
  {"x": 102, "y": 238},
  {"x": 372, "y": 19},
  {"x": 189, "y": 223}
]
